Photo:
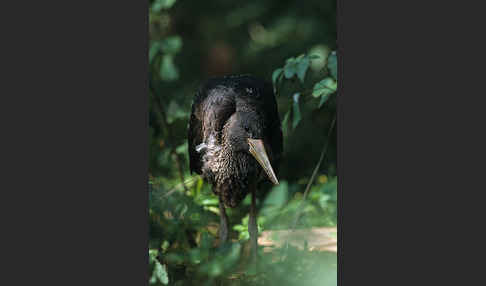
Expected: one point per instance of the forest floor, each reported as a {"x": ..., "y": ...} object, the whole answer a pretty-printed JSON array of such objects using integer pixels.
[
  {"x": 317, "y": 239},
  {"x": 310, "y": 259}
]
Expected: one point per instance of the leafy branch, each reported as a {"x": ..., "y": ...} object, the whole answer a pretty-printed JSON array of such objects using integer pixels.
[{"x": 297, "y": 68}]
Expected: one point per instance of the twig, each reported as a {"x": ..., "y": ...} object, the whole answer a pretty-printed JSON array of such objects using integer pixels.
[
  {"x": 311, "y": 181},
  {"x": 176, "y": 187},
  {"x": 188, "y": 181}
]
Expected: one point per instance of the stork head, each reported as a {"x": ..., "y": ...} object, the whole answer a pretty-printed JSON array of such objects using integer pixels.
[{"x": 246, "y": 135}]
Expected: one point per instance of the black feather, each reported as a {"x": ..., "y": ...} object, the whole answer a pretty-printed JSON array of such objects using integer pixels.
[{"x": 225, "y": 112}]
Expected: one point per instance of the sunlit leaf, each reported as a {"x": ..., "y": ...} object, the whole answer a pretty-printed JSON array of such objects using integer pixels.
[
  {"x": 324, "y": 89},
  {"x": 212, "y": 209},
  {"x": 210, "y": 202},
  {"x": 159, "y": 273},
  {"x": 162, "y": 4},
  {"x": 199, "y": 185},
  {"x": 242, "y": 229},
  {"x": 153, "y": 254}
]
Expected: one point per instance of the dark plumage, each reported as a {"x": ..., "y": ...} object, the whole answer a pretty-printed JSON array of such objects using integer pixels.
[
  {"x": 226, "y": 111},
  {"x": 235, "y": 141}
]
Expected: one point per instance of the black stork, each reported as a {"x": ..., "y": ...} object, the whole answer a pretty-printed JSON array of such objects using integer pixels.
[{"x": 235, "y": 142}]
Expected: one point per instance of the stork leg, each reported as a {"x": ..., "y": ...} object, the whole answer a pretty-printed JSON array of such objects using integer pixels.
[
  {"x": 223, "y": 225},
  {"x": 253, "y": 228}
]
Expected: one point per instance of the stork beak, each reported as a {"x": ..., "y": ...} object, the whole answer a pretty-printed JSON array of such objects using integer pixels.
[{"x": 258, "y": 151}]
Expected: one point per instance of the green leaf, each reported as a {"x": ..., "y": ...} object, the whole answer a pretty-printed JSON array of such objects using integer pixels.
[
  {"x": 325, "y": 87},
  {"x": 302, "y": 67},
  {"x": 159, "y": 273},
  {"x": 210, "y": 202},
  {"x": 276, "y": 73},
  {"x": 290, "y": 68},
  {"x": 171, "y": 45},
  {"x": 152, "y": 255},
  {"x": 314, "y": 56},
  {"x": 165, "y": 245},
  {"x": 239, "y": 228},
  {"x": 296, "y": 111},
  {"x": 154, "y": 50},
  {"x": 182, "y": 149},
  {"x": 332, "y": 64},
  {"x": 276, "y": 78},
  {"x": 297, "y": 66},
  {"x": 323, "y": 100},
  {"x": 199, "y": 185},
  {"x": 162, "y": 4},
  {"x": 168, "y": 71}
]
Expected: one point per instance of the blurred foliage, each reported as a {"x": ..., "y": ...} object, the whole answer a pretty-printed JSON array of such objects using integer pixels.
[{"x": 290, "y": 43}]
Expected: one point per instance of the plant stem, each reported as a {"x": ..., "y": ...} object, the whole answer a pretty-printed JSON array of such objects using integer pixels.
[{"x": 311, "y": 181}]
